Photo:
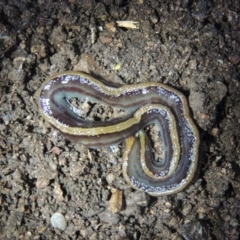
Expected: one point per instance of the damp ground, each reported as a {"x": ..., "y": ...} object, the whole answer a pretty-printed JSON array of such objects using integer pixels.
[{"x": 192, "y": 46}]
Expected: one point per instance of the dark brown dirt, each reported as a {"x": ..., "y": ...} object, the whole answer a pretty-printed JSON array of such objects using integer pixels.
[{"x": 191, "y": 45}]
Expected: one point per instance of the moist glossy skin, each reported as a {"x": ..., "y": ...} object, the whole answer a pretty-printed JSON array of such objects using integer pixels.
[{"x": 144, "y": 104}]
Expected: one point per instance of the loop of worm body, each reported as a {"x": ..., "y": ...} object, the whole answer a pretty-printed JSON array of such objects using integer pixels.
[{"x": 144, "y": 104}]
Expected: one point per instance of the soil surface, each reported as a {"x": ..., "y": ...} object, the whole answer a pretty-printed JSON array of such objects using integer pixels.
[{"x": 193, "y": 46}]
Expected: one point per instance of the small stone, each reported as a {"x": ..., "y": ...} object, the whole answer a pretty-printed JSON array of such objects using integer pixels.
[
  {"x": 58, "y": 221},
  {"x": 42, "y": 183},
  {"x": 234, "y": 58},
  {"x": 215, "y": 132},
  {"x": 194, "y": 230},
  {"x": 193, "y": 64},
  {"x": 109, "y": 217},
  {"x": 106, "y": 40},
  {"x": 111, "y": 27},
  {"x": 187, "y": 209},
  {"x": 154, "y": 19},
  {"x": 56, "y": 150},
  {"x": 140, "y": 198},
  {"x": 110, "y": 178}
]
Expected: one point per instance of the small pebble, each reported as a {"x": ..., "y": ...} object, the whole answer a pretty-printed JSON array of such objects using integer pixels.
[
  {"x": 58, "y": 221},
  {"x": 110, "y": 178},
  {"x": 234, "y": 58},
  {"x": 109, "y": 217}
]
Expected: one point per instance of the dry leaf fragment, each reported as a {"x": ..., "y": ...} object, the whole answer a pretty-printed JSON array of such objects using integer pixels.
[
  {"x": 57, "y": 191},
  {"x": 89, "y": 155},
  {"x": 128, "y": 24},
  {"x": 116, "y": 201}
]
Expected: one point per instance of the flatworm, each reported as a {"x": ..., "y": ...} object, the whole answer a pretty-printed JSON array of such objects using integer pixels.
[{"x": 145, "y": 104}]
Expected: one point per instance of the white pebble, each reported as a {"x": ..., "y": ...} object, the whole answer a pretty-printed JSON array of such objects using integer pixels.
[
  {"x": 59, "y": 221},
  {"x": 110, "y": 178}
]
